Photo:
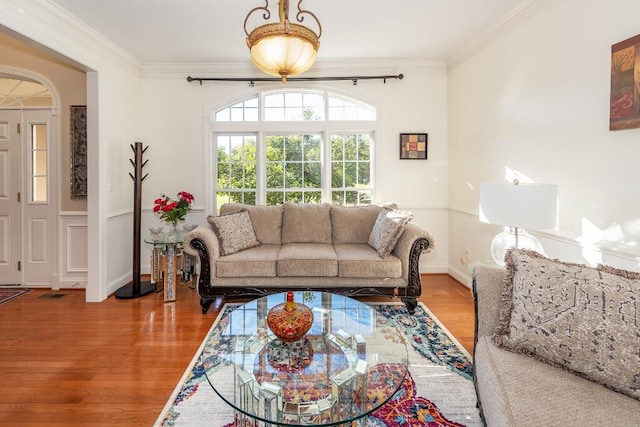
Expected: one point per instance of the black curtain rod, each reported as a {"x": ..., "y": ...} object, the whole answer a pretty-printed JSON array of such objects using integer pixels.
[{"x": 252, "y": 81}]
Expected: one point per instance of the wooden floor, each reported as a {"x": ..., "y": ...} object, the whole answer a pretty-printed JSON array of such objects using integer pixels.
[{"x": 64, "y": 362}]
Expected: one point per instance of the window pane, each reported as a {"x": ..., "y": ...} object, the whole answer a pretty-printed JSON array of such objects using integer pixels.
[
  {"x": 40, "y": 189},
  {"x": 251, "y": 114},
  {"x": 237, "y": 114},
  {"x": 40, "y": 163},
  {"x": 350, "y": 174},
  {"x": 294, "y": 197},
  {"x": 313, "y": 100},
  {"x": 39, "y": 136},
  {"x": 364, "y": 148},
  {"x": 293, "y": 149},
  {"x": 364, "y": 174},
  {"x": 293, "y": 99},
  {"x": 350, "y": 148},
  {"x": 223, "y": 115},
  {"x": 312, "y": 197},
  {"x": 274, "y": 198},
  {"x": 236, "y": 168},
  {"x": 337, "y": 197},
  {"x": 337, "y": 152},
  {"x": 364, "y": 197},
  {"x": 312, "y": 175},
  {"x": 242, "y": 111},
  {"x": 294, "y": 106},
  {"x": 293, "y": 176},
  {"x": 351, "y": 197},
  {"x": 274, "y": 114},
  {"x": 275, "y": 175},
  {"x": 336, "y": 175}
]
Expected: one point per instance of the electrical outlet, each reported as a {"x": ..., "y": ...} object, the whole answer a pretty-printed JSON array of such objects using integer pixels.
[{"x": 467, "y": 254}]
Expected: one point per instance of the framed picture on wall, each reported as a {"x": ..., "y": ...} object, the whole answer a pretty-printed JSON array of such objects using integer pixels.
[
  {"x": 413, "y": 146},
  {"x": 624, "y": 103}
]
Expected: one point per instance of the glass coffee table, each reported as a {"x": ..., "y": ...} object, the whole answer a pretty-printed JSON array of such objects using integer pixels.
[{"x": 347, "y": 366}]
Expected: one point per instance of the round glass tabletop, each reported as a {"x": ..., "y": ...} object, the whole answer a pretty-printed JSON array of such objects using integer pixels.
[{"x": 349, "y": 364}]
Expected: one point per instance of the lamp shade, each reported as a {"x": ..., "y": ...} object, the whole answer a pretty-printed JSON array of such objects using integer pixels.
[{"x": 532, "y": 206}]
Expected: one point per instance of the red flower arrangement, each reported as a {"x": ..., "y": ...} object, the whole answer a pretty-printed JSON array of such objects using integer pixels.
[{"x": 172, "y": 211}]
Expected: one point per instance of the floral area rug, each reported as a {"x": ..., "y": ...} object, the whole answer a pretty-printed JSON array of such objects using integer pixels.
[{"x": 438, "y": 391}]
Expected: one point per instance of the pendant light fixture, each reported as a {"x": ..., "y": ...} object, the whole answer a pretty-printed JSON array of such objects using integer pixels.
[{"x": 283, "y": 48}]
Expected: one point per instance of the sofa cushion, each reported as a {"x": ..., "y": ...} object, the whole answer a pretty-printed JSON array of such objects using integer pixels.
[
  {"x": 361, "y": 260},
  {"x": 574, "y": 316},
  {"x": 307, "y": 259},
  {"x": 306, "y": 223},
  {"x": 387, "y": 230},
  {"x": 518, "y": 390},
  {"x": 266, "y": 220},
  {"x": 234, "y": 231},
  {"x": 353, "y": 224},
  {"x": 259, "y": 261}
]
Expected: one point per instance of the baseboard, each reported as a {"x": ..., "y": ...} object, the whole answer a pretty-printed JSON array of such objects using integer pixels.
[{"x": 460, "y": 276}]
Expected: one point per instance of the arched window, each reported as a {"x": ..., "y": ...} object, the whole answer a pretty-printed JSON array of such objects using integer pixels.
[
  {"x": 22, "y": 92},
  {"x": 296, "y": 146}
]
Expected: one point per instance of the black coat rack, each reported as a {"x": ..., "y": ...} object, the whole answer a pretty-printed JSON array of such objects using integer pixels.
[{"x": 136, "y": 288}]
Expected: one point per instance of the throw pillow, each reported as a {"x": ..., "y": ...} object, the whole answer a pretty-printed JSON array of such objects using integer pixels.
[
  {"x": 234, "y": 231},
  {"x": 573, "y": 316},
  {"x": 387, "y": 230}
]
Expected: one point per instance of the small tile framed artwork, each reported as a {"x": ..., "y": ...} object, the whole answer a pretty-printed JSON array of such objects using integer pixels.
[{"x": 413, "y": 146}]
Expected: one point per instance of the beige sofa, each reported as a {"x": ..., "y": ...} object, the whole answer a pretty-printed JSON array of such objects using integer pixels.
[
  {"x": 551, "y": 361},
  {"x": 308, "y": 247}
]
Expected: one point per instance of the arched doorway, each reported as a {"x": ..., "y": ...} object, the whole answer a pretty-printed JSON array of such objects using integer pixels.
[{"x": 29, "y": 151}]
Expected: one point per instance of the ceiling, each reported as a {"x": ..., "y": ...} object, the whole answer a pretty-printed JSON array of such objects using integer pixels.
[{"x": 208, "y": 31}]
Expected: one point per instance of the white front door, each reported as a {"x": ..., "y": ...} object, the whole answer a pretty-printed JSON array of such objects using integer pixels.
[
  {"x": 10, "y": 206},
  {"x": 39, "y": 217}
]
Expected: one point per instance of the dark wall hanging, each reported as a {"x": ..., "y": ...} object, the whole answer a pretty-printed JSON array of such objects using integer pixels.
[{"x": 78, "y": 162}]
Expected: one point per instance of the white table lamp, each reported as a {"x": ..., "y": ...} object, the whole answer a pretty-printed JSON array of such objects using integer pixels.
[{"x": 518, "y": 206}]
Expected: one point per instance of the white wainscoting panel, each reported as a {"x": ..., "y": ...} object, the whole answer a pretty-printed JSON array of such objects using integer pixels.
[
  {"x": 73, "y": 250},
  {"x": 120, "y": 249}
]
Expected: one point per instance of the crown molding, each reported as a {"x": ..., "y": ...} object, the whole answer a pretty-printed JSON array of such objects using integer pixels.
[
  {"x": 62, "y": 34},
  {"x": 322, "y": 68},
  {"x": 508, "y": 21}
]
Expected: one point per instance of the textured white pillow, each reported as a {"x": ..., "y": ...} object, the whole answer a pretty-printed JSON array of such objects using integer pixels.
[
  {"x": 387, "y": 230},
  {"x": 235, "y": 232}
]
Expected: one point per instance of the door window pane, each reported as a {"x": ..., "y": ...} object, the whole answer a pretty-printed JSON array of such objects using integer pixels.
[{"x": 39, "y": 162}]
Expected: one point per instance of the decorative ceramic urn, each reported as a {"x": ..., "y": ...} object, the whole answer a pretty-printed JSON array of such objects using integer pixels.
[{"x": 290, "y": 320}]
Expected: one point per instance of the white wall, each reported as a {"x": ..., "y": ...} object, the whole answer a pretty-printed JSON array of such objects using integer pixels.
[
  {"x": 112, "y": 116},
  {"x": 536, "y": 100},
  {"x": 175, "y": 125}
]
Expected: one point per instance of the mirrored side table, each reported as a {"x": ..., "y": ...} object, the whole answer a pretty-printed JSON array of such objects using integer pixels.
[{"x": 166, "y": 257}]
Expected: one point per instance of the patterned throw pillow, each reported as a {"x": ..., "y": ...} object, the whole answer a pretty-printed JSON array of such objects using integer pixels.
[
  {"x": 581, "y": 318},
  {"x": 235, "y": 232},
  {"x": 387, "y": 230}
]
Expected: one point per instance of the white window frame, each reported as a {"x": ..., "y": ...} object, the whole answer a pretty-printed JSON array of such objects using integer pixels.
[{"x": 263, "y": 128}]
